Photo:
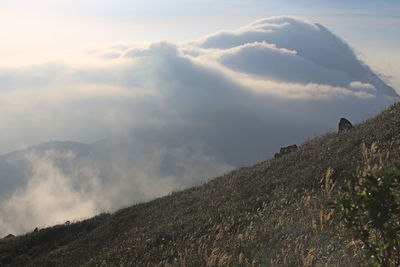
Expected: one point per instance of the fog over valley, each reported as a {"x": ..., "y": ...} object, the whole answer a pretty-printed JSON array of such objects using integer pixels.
[{"x": 153, "y": 118}]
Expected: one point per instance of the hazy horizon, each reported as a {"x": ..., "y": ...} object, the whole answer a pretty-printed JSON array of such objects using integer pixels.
[
  {"x": 166, "y": 96},
  {"x": 48, "y": 34}
]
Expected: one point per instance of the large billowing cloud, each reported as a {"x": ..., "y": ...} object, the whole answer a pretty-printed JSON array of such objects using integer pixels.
[{"x": 169, "y": 116}]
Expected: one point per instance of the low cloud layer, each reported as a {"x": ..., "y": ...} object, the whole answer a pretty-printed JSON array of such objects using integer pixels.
[
  {"x": 169, "y": 116},
  {"x": 47, "y": 198},
  {"x": 61, "y": 183}
]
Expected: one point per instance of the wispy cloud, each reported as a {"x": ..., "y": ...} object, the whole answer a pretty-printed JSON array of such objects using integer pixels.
[{"x": 171, "y": 115}]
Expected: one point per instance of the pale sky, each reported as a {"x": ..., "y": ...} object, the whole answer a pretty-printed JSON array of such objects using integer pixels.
[
  {"x": 35, "y": 29},
  {"x": 60, "y": 31}
]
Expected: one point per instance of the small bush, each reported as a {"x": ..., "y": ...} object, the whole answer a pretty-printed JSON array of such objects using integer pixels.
[{"x": 369, "y": 208}]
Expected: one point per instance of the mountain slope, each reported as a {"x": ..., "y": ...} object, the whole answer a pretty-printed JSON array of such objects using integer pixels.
[{"x": 270, "y": 213}]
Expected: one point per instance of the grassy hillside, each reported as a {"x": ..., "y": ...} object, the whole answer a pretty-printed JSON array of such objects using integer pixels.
[{"x": 272, "y": 213}]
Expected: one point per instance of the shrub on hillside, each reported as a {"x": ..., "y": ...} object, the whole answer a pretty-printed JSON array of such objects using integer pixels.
[{"x": 369, "y": 208}]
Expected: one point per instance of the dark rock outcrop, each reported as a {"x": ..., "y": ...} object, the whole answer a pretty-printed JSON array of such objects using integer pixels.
[
  {"x": 344, "y": 125},
  {"x": 285, "y": 150},
  {"x": 9, "y": 236}
]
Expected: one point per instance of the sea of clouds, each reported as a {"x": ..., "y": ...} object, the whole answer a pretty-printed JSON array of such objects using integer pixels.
[{"x": 165, "y": 116}]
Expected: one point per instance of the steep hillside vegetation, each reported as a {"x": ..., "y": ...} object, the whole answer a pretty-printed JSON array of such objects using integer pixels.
[{"x": 272, "y": 213}]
